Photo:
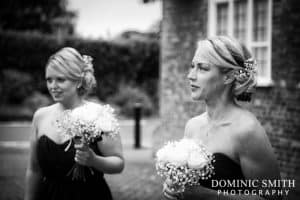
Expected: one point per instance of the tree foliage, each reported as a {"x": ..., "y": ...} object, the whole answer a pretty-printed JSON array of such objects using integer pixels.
[
  {"x": 133, "y": 64},
  {"x": 36, "y": 15}
]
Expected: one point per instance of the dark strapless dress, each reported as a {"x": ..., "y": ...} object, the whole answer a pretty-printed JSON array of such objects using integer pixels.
[
  {"x": 225, "y": 170},
  {"x": 56, "y": 184}
]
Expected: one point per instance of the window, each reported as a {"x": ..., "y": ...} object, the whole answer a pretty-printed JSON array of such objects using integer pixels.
[
  {"x": 222, "y": 18},
  {"x": 250, "y": 22}
]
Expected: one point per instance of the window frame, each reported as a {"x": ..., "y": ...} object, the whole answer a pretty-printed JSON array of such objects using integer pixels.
[{"x": 262, "y": 81}]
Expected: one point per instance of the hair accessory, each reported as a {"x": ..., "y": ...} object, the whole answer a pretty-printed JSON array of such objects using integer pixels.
[
  {"x": 89, "y": 66},
  {"x": 249, "y": 69},
  {"x": 250, "y": 65},
  {"x": 87, "y": 60}
]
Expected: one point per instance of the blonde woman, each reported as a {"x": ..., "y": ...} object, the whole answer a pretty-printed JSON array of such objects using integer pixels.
[
  {"x": 223, "y": 74},
  {"x": 69, "y": 77}
]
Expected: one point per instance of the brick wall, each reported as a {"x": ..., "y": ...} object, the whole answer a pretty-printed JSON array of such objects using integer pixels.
[{"x": 277, "y": 107}]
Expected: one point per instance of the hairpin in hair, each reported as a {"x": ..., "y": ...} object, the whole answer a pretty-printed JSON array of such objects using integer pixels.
[
  {"x": 87, "y": 60},
  {"x": 250, "y": 65},
  {"x": 244, "y": 73},
  {"x": 89, "y": 66}
]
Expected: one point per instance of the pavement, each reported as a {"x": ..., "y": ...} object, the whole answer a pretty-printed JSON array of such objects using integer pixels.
[{"x": 138, "y": 181}]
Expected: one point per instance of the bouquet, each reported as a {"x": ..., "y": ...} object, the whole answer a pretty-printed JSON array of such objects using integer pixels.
[
  {"x": 184, "y": 163},
  {"x": 84, "y": 125}
]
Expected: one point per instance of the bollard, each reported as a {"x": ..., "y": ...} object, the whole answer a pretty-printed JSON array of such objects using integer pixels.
[{"x": 137, "y": 126}]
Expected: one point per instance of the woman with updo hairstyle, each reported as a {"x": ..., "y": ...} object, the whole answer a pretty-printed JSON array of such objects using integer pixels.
[
  {"x": 223, "y": 75},
  {"x": 69, "y": 78},
  {"x": 69, "y": 62}
]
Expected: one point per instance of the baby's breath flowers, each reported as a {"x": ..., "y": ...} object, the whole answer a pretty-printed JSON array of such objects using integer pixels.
[
  {"x": 84, "y": 125},
  {"x": 184, "y": 163}
]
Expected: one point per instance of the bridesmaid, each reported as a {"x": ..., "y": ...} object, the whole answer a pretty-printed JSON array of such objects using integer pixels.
[
  {"x": 223, "y": 75},
  {"x": 69, "y": 78}
]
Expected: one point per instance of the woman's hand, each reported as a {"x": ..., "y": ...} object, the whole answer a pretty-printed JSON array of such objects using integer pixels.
[
  {"x": 84, "y": 155},
  {"x": 169, "y": 194}
]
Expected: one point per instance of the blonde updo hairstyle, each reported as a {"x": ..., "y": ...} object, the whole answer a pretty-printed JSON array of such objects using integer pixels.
[
  {"x": 232, "y": 57},
  {"x": 75, "y": 67}
]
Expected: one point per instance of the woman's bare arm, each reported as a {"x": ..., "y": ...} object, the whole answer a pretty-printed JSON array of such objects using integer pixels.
[
  {"x": 33, "y": 173},
  {"x": 112, "y": 160}
]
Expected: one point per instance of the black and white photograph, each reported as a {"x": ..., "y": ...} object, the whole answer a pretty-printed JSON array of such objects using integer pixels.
[{"x": 149, "y": 100}]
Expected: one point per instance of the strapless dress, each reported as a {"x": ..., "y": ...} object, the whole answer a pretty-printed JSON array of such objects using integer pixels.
[{"x": 55, "y": 163}]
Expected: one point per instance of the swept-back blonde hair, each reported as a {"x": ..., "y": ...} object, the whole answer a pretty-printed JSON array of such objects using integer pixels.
[
  {"x": 232, "y": 57},
  {"x": 74, "y": 66}
]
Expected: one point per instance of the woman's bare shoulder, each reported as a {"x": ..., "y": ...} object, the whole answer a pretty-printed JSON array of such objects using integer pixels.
[
  {"x": 254, "y": 149},
  {"x": 249, "y": 131},
  {"x": 197, "y": 120},
  {"x": 247, "y": 122},
  {"x": 38, "y": 117},
  {"x": 43, "y": 111},
  {"x": 194, "y": 123}
]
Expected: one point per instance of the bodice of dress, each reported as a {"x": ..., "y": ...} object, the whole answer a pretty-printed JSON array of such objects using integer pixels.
[
  {"x": 225, "y": 169},
  {"x": 55, "y": 164}
]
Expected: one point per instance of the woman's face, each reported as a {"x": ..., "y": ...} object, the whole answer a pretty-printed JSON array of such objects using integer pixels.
[
  {"x": 205, "y": 79},
  {"x": 59, "y": 86}
]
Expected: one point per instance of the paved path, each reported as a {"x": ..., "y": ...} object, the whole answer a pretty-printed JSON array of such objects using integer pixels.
[{"x": 138, "y": 181}]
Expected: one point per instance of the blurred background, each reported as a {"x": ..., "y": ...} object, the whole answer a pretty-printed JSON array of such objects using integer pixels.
[{"x": 123, "y": 39}]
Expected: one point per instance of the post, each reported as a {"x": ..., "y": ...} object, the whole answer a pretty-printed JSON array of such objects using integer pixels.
[{"x": 137, "y": 127}]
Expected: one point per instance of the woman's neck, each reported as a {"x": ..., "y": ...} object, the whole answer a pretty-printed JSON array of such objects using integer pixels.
[
  {"x": 218, "y": 108},
  {"x": 72, "y": 103}
]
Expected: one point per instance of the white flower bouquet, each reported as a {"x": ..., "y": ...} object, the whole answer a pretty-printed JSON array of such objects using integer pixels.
[
  {"x": 184, "y": 163},
  {"x": 84, "y": 125}
]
